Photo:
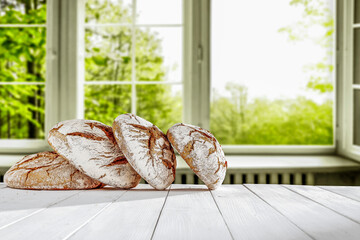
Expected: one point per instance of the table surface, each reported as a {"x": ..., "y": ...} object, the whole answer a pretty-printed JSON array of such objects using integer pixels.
[{"x": 183, "y": 212}]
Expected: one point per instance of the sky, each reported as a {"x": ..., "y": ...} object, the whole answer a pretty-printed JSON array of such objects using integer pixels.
[
  {"x": 246, "y": 46},
  {"x": 248, "y": 49}
]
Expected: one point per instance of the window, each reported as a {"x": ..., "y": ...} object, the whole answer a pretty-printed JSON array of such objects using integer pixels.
[
  {"x": 22, "y": 71},
  {"x": 107, "y": 57},
  {"x": 133, "y": 58},
  {"x": 349, "y": 73},
  {"x": 272, "y": 72}
]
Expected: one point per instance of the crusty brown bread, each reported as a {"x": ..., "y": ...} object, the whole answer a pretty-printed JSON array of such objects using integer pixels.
[
  {"x": 91, "y": 147},
  {"x": 201, "y": 151},
  {"x": 147, "y": 149},
  {"x": 47, "y": 170}
]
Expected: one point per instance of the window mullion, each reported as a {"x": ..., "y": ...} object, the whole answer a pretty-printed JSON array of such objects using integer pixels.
[
  {"x": 72, "y": 69},
  {"x": 133, "y": 58},
  {"x": 196, "y": 62}
]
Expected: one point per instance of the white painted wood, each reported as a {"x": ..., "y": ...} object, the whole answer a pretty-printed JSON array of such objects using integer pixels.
[
  {"x": 350, "y": 192},
  {"x": 316, "y": 220},
  {"x": 17, "y": 204},
  {"x": 248, "y": 217},
  {"x": 59, "y": 220},
  {"x": 278, "y": 149},
  {"x": 133, "y": 216},
  {"x": 343, "y": 205},
  {"x": 190, "y": 213}
]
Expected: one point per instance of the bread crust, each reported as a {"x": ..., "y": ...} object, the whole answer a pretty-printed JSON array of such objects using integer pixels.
[
  {"x": 91, "y": 147},
  {"x": 147, "y": 149},
  {"x": 48, "y": 171},
  {"x": 201, "y": 151}
]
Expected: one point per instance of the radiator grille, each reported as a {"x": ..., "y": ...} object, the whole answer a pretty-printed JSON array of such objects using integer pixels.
[
  {"x": 188, "y": 177},
  {"x": 298, "y": 178}
]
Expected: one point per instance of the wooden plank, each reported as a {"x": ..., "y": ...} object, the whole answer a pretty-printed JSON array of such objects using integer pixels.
[
  {"x": 59, "y": 220},
  {"x": 18, "y": 204},
  {"x": 350, "y": 192},
  {"x": 190, "y": 212},
  {"x": 248, "y": 217},
  {"x": 133, "y": 216},
  {"x": 316, "y": 220},
  {"x": 343, "y": 205}
]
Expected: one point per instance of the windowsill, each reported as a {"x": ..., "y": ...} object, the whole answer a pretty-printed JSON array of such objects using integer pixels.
[
  {"x": 308, "y": 163},
  {"x": 253, "y": 163}
]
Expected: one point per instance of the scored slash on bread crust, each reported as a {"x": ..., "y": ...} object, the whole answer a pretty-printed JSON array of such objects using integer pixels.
[
  {"x": 47, "y": 170},
  {"x": 91, "y": 147},
  {"x": 147, "y": 149},
  {"x": 201, "y": 151}
]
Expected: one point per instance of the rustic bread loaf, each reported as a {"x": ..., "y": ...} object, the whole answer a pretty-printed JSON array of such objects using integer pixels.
[
  {"x": 47, "y": 170},
  {"x": 91, "y": 147},
  {"x": 147, "y": 149},
  {"x": 201, "y": 151}
]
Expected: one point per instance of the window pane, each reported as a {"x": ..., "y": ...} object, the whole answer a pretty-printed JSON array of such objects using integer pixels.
[
  {"x": 22, "y": 54},
  {"x": 160, "y": 104},
  {"x": 108, "y": 11},
  {"x": 108, "y": 54},
  {"x": 357, "y": 56},
  {"x": 159, "y": 54},
  {"x": 357, "y": 11},
  {"x": 272, "y": 72},
  {"x": 356, "y": 117},
  {"x": 159, "y": 12},
  {"x": 22, "y": 111},
  {"x": 105, "y": 102},
  {"x": 23, "y": 11}
]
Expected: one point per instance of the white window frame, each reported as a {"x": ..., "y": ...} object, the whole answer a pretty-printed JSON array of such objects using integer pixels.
[
  {"x": 346, "y": 87},
  {"x": 65, "y": 76}
]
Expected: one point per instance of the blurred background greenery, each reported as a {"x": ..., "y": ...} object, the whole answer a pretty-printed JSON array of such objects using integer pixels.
[{"x": 234, "y": 118}]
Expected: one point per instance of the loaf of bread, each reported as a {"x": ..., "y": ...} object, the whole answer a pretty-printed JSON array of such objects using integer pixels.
[
  {"x": 147, "y": 149},
  {"x": 201, "y": 151},
  {"x": 47, "y": 170},
  {"x": 91, "y": 147}
]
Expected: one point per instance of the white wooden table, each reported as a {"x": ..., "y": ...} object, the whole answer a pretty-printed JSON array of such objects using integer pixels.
[{"x": 183, "y": 212}]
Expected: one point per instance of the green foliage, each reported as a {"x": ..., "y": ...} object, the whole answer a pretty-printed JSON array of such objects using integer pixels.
[
  {"x": 296, "y": 121},
  {"x": 22, "y": 54},
  {"x": 316, "y": 15},
  {"x": 234, "y": 120},
  {"x": 108, "y": 57}
]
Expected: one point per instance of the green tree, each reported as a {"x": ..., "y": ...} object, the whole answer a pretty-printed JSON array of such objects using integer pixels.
[
  {"x": 108, "y": 57},
  {"x": 22, "y": 59},
  {"x": 299, "y": 121}
]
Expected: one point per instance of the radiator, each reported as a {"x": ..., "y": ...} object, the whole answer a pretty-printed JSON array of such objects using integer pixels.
[{"x": 186, "y": 176}]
